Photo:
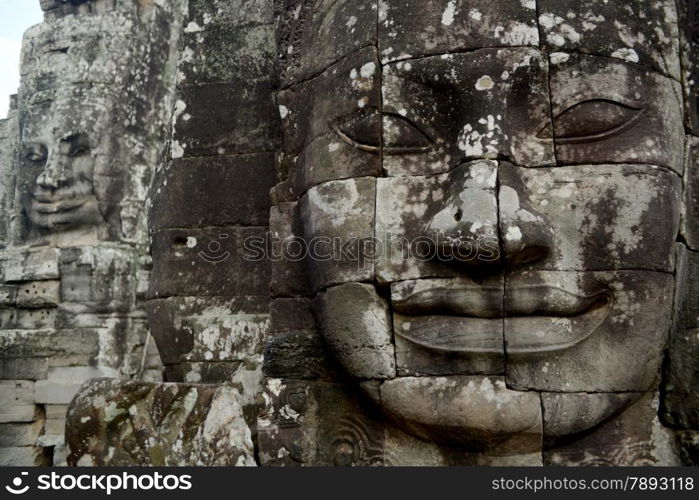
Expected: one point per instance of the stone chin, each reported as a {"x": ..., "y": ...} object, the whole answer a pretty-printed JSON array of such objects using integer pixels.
[
  {"x": 479, "y": 413},
  {"x": 474, "y": 412}
]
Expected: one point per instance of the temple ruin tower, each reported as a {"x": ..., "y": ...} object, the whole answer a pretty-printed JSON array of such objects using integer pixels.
[{"x": 78, "y": 153}]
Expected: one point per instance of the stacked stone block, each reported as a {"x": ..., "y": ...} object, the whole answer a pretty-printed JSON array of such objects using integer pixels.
[{"x": 208, "y": 302}]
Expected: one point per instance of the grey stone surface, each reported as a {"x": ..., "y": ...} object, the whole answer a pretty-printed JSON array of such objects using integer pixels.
[
  {"x": 288, "y": 275},
  {"x": 568, "y": 414},
  {"x": 311, "y": 36},
  {"x": 688, "y": 16},
  {"x": 295, "y": 349},
  {"x": 570, "y": 331},
  {"x": 680, "y": 407},
  {"x": 442, "y": 110},
  {"x": 635, "y": 438},
  {"x": 606, "y": 110},
  {"x": 200, "y": 329},
  {"x": 318, "y": 423},
  {"x": 689, "y": 227},
  {"x": 350, "y": 114},
  {"x": 437, "y": 226},
  {"x": 337, "y": 218},
  {"x": 363, "y": 345},
  {"x": 591, "y": 217},
  {"x": 293, "y": 156},
  {"x": 207, "y": 261},
  {"x": 87, "y": 129},
  {"x": 217, "y": 191},
  {"x": 646, "y": 34},
  {"x": 469, "y": 411},
  {"x": 224, "y": 118},
  {"x": 413, "y": 29}
]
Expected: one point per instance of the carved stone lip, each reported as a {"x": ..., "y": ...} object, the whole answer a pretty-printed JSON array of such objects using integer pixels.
[
  {"x": 51, "y": 205},
  {"x": 531, "y": 319},
  {"x": 449, "y": 297}
]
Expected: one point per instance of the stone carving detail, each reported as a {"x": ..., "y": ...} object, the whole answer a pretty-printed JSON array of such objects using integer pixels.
[
  {"x": 394, "y": 232},
  {"x": 122, "y": 423},
  {"x": 541, "y": 254}
]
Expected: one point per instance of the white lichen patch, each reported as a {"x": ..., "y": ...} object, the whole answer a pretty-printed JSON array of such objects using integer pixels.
[
  {"x": 485, "y": 82},
  {"x": 513, "y": 234},
  {"x": 481, "y": 139},
  {"x": 559, "y": 57},
  {"x": 517, "y": 34},
  {"x": 368, "y": 70},
  {"x": 627, "y": 54},
  {"x": 193, "y": 27},
  {"x": 449, "y": 13}
]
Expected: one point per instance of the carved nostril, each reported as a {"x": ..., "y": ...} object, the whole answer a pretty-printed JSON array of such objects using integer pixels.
[{"x": 457, "y": 216}]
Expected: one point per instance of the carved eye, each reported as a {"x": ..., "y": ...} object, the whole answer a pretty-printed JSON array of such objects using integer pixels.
[
  {"x": 364, "y": 132},
  {"x": 35, "y": 153},
  {"x": 76, "y": 145},
  {"x": 591, "y": 120},
  {"x": 80, "y": 150},
  {"x": 403, "y": 137},
  {"x": 360, "y": 130}
]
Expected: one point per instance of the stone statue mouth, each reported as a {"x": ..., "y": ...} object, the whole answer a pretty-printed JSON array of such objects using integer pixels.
[
  {"x": 474, "y": 320},
  {"x": 51, "y": 204}
]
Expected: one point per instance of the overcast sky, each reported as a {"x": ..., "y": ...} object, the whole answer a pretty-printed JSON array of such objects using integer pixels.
[{"x": 15, "y": 17}]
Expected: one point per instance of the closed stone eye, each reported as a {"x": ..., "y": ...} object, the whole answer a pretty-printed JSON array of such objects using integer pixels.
[
  {"x": 35, "y": 154},
  {"x": 400, "y": 136},
  {"x": 360, "y": 130},
  {"x": 591, "y": 120},
  {"x": 403, "y": 137}
]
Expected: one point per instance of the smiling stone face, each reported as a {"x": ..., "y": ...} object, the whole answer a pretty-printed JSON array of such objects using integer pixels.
[
  {"x": 63, "y": 184},
  {"x": 520, "y": 181}
]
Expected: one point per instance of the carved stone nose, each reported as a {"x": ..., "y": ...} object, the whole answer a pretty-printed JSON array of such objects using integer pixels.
[
  {"x": 526, "y": 236},
  {"x": 465, "y": 230},
  {"x": 484, "y": 225},
  {"x": 53, "y": 175}
]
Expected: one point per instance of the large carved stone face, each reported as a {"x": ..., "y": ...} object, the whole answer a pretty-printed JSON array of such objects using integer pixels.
[
  {"x": 64, "y": 158},
  {"x": 524, "y": 200}
]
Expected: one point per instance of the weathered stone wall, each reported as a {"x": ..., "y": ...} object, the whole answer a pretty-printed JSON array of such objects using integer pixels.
[
  {"x": 680, "y": 403},
  {"x": 208, "y": 304},
  {"x": 78, "y": 158}
]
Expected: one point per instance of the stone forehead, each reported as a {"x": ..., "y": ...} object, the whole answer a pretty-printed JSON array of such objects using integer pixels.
[
  {"x": 639, "y": 32},
  {"x": 118, "y": 49},
  {"x": 73, "y": 109}
]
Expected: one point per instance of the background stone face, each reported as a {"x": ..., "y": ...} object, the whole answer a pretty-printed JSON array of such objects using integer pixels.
[{"x": 101, "y": 72}]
